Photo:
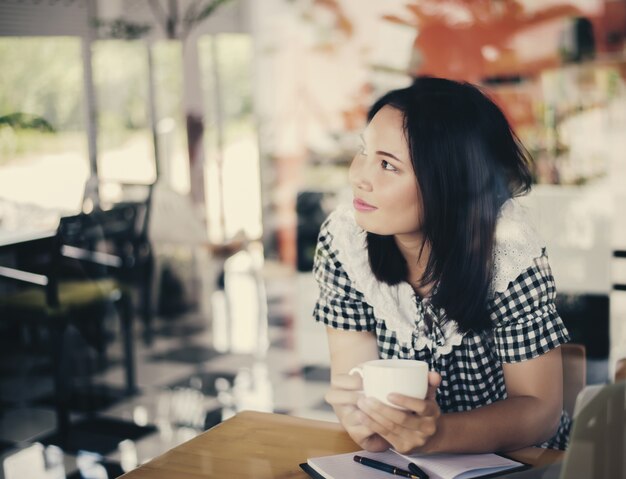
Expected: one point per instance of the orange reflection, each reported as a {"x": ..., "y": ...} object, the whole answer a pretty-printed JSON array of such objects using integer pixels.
[{"x": 472, "y": 39}]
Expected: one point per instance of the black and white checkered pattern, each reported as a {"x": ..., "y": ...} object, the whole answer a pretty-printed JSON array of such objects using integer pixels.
[{"x": 526, "y": 325}]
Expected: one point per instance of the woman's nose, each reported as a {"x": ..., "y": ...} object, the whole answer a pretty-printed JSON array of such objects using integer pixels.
[{"x": 358, "y": 174}]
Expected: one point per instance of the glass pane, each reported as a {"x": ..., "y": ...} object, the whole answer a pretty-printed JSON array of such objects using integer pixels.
[
  {"x": 168, "y": 79},
  {"x": 237, "y": 162},
  {"x": 125, "y": 148},
  {"x": 43, "y": 145}
]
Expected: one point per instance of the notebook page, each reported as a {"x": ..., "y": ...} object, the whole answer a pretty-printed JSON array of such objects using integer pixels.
[
  {"x": 342, "y": 466},
  {"x": 448, "y": 466}
]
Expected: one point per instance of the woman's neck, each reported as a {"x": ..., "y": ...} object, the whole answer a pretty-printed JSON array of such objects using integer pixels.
[{"x": 416, "y": 253}]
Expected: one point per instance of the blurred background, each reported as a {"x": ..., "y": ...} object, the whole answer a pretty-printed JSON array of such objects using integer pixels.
[{"x": 165, "y": 166}]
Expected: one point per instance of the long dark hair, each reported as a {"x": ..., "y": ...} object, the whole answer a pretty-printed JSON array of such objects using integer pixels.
[{"x": 467, "y": 163}]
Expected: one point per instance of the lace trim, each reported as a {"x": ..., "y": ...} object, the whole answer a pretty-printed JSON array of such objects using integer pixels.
[
  {"x": 396, "y": 304},
  {"x": 517, "y": 245}
]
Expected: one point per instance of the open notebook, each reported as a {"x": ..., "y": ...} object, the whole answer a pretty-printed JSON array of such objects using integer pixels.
[{"x": 439, "y": 466}]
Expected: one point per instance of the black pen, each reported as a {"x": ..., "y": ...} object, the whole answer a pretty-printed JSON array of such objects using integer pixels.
[
  {"x": 381, "y": 466},
  {"x": 416, "y": 470}
]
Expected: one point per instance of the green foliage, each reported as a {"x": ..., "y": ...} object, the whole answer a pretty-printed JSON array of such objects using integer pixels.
[
  {"x": 176, "y": 27},
  {"x": 25, "y": 121},
  {"x": 41, "y": 86},
  {"x": 196, "y": 15},
  {"x": 120, "y": 72},
  {"x": 42, "y": 77},
  {"x": 121, "y": 29}
]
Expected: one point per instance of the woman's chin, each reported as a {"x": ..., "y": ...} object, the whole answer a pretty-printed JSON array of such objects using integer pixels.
[{"x": 370, "y": 226}]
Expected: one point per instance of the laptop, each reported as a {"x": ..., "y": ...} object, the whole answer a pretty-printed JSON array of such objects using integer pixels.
[{"x": 597, "y": 446}]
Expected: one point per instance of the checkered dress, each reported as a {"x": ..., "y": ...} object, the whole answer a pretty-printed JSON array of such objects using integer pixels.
[{"x": 526, "y": 325}]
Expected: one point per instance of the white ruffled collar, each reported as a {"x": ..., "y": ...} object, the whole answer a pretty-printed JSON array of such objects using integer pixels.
[{"x": 516, "y": 247}]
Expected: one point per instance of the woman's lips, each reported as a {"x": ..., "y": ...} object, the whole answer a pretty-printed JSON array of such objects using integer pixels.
[{"x": 361, "y": 205}]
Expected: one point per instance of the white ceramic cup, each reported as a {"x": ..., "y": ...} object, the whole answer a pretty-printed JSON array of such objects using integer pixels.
[{"x": 382, "y": 377}]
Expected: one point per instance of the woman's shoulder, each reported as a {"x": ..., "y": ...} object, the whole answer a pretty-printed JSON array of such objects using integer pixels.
[{"x": 517, "y": 246}]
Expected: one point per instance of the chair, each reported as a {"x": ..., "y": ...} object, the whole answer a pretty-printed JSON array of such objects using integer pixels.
[
  {"x": 112, "y": 242},
  {"x": 74, "y": 276},
  {"x": 574, "y": 374},
  {"x": 115, "y": 195}
]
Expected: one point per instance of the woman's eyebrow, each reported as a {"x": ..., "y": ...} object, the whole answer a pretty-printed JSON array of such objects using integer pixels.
[
  {"x": 381, "y": 152},
  {"x": 389, "y": 155}
]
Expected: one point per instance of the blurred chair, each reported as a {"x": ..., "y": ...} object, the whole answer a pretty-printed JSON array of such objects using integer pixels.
[
  {"x": 138, "y": 196},
  {"x": 113, "y": 243},
  {"x": 574, "y": 374},
  {"x": 75, "y": 276}
]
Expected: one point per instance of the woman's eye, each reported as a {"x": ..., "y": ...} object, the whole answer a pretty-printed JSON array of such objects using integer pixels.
[{"x": 387, "y": 166}]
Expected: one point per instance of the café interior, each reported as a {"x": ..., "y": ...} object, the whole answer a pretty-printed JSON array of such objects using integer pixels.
[{"x": 166, "y": 165}]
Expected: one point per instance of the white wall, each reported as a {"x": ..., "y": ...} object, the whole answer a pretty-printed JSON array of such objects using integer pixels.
[{"x": 575, "y": 223}]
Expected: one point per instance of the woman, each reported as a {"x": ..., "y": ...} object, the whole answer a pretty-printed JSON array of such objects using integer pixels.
[{"x": 435, "y": 261}]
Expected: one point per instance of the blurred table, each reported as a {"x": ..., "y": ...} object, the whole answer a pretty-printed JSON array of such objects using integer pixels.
[
  {"x": 262, "y": 445},
  {"x": 14, "y": 244},
  {"x": 16, "y": 238}
]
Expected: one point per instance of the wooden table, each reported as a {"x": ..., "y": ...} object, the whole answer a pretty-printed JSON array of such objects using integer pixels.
[{"x": 262, "y": 445}]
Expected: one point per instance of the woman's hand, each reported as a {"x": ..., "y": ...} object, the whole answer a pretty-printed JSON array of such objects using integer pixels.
[
  {"x": 344, "y": 393},
  {"x": 408, "y": 430}
]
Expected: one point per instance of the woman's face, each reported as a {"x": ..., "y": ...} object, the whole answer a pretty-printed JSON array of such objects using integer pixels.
[{"x": 386, "y": 197}]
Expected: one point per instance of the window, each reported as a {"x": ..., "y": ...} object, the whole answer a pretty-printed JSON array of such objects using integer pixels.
[
  {"x": 167, "y": 60},
  {"x": 125, "y": 146},
  {"x": 43, "y": 146},
  {"x": 233, "y": 186}
]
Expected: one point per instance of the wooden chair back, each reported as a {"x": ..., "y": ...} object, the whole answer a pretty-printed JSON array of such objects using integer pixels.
[{"x": 574, "y": 374}]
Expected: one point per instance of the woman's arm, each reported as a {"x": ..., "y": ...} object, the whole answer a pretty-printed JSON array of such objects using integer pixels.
[
  {"x": 347, "y": 350},
  {"x": 529, "y": 415}
]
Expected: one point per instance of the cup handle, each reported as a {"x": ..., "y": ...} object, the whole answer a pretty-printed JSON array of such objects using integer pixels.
[{"x": 358, "y": 370}]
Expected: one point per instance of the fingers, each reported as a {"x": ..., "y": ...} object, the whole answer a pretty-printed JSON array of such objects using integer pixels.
[
  {"x": 406, "y": 429},
  {"x": 368, "y": 439},
  {"x": 336, "y": 397},
  {"x": 375, "y": 443},
  {"x": 434, "y": 380},
  {"x": 388, "y": 417},
  {"x": 401, "y": 439},
  {"x": 351, "y": 421},
  {"x": 345, "y": 389},
  {"x": 361, "y": 434},
  {"x": 346, "y": 381},
  {"x": 421, "y": 407}
]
